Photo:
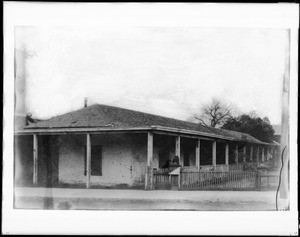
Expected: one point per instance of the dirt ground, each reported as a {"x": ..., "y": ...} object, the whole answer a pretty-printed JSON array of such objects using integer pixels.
[{"x": 100, "y": 199}]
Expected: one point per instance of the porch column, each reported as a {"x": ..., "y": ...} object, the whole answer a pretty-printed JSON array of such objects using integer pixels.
[
  {"x": 257, "y": 155},
  {"x": 263, "y": 154},
  {"x": 198, "y": 154},
  {"x": 177, "y": 150},
  {"x": 35, "y": 159},
  {"x": 214, "y": 154},
  {"x": 251, "y": 153},
  {"x": 236, "y": 154},
  {"x": 148, "y": 177},
  {"x": 244, "y": 154},
  {"x": 227, "y": 154},
  {"x": 88, "y": 160},
  {"x": 268, "y": 153}
]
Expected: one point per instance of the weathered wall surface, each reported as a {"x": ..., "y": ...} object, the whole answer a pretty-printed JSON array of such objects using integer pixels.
[
  {"x": 23, "y": 160},
  {"x": 116, "y": 159},
  {"x": 138, "y": 158}
]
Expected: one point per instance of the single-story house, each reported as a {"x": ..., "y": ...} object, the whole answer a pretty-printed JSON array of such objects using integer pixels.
[{"x": 107, "y": 146}]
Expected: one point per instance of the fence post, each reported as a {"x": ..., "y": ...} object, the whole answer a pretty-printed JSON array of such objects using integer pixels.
[
  {"x": 179, "y": 179},
  {"x": 146, "y": 178},
  {"x": 258, "y": 181},
  {"x": 151, "y": 178}
]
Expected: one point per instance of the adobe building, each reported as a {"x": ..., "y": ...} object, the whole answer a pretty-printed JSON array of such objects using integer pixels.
[{"x": 106, "y": 146}]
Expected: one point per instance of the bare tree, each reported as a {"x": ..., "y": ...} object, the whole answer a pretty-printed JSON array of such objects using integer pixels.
[{"x": 214, "y": 114}]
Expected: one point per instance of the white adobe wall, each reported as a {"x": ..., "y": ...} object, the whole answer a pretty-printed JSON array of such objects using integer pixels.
[
  {"x": 138, "y": 159},
  {"x": 116, "y": 159}
]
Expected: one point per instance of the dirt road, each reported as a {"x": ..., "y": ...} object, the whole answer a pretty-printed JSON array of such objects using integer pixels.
[{"x": 97, "y": 199}]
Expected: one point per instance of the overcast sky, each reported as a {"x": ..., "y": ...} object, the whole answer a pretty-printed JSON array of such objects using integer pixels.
[{"x": 161, "y": 70}]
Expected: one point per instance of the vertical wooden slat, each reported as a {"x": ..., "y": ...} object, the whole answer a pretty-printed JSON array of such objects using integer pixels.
[
  {"x": 198, "y": 154},
  {"x": 88, "y": 160},
  {"x": 179, "y": 180},
  {"x": 150, "y": 149},
  {"x": 244, "y": 153},
  {"x": 227, "y": 154},
  {"x": 177, "y": 150},
  {"x": 232, "y": 180},
  {"x": 236, "y": 154},
  {"x": 214, "y": 154},
  {"x": 148, "y": 178},
  {"x": 263, "y": 154},
  {"x": 35, "y": 159},
  {"x": 241, "y": 180}
]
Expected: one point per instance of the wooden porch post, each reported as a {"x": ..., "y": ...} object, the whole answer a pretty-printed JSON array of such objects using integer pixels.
[
  {"x": 251, "y": 153},
  {"x": 88, "y": 160},
  {"x": 214, "y": 154},
  {"x": 236, "y": 154},
  {"x": 198, "y": 154},
  {"x": 177, "y": 150},
  {"x": 244, "y": 154},
  {"x": 148, "y": 177},
  {"x": 35, "y": 159},
  {"x": 257, "y": 155},
  {"x": 263, "y": 154},
  {"x": 227, "y": 154}
]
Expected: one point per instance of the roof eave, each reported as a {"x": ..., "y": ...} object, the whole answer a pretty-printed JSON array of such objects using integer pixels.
[{"x": 76, "y": 130}]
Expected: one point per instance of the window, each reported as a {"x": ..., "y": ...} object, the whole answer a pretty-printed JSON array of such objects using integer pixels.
[{"x": 96, "y": 160}]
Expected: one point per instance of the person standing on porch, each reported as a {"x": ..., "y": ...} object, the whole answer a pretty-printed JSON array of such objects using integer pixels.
[{"x": 175, "y": 162}]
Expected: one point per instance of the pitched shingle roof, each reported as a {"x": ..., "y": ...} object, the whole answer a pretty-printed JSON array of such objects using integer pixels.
[{"x": 97, "y": 116}]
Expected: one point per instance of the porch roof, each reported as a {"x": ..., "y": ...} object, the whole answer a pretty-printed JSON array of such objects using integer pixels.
[{"x": 99, "y": 118}]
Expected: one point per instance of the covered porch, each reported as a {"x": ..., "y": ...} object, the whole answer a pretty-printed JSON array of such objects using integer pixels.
[
  {"x": 139, "y": 153},
  {"x": 203, "y": 154}
]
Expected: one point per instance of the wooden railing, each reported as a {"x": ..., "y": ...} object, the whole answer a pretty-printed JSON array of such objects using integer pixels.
[
  {"x": 194, "y": 179},
  {"x": 221, "y": 177},
  {"x": 236, "y": 167},
  {"x": 231, "y": 180},
  {"x": 208, "y": 168},
  {"x": 269, "y": 180}
]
